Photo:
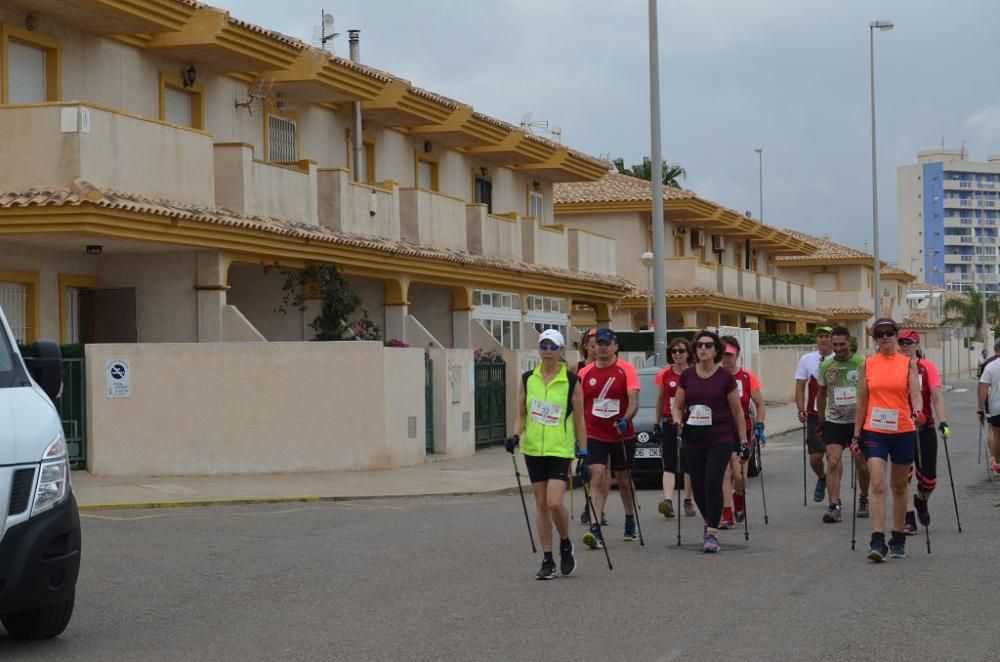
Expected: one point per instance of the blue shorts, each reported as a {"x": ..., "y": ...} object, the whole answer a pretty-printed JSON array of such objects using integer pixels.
[{"x": 900, "y": 446}]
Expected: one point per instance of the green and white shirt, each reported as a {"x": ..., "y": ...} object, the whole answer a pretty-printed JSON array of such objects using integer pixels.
[{"x": 840, "y": 378}]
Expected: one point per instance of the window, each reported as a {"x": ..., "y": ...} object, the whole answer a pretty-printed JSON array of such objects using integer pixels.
[
  {"x": 18, "y": 299},
  {"x": 282, "y": 139},
  {"x": 30, "y": 67},
  {"x": 426, "y": 172},
  {"x": 370, "y": 171},
  {"x": 482, "y": 192},
  {"x": 500, "y": 313},
  {"x": 69, "y": 305},
  {"x": 181, "y": 105},
  {"x": 536, "y": 205}
]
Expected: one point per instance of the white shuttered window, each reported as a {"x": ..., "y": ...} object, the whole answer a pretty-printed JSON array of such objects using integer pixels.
[
  {"x": 27, "y": 82},
  {"x": 14, "y": 302},
  {"x": 281, "y": 133},
  {"x": 178, "y": 106}
]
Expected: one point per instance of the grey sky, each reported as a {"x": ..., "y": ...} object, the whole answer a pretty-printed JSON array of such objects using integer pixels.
[{"x": 788, "y": 75}]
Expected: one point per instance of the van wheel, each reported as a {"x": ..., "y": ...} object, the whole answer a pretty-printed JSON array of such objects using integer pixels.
[{"x": 42, "y": 623}]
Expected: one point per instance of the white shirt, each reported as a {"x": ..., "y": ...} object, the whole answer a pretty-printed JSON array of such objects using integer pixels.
[
  {"x": 809, "y": 366},
  {"x": 991, "y": 376}
]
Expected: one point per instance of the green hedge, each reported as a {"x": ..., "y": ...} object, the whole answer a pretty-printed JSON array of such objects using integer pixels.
[{"x": 787, "y": 339}]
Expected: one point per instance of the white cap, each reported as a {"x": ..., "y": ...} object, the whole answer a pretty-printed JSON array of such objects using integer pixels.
[{"x": 553, "y": 336}]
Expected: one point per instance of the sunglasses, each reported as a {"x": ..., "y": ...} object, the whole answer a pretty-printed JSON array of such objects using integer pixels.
[
  {"x": 884, "y": 334},
  {"x": 548, "y": 347},
  {"x": 906, "y": 343},
  {"x": 678, "y": 350},
  {"x": 704, "y": 345}
]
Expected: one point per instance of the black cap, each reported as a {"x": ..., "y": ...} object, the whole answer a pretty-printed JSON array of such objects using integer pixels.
[{"x": 606, "y": 335}]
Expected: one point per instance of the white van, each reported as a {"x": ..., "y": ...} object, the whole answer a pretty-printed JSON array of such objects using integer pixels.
[{"x": 39, "y": 521}]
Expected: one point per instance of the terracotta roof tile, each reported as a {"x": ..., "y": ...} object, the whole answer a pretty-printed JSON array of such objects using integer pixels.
[
  {"x": 297, "y": 44},
  {"x": 831, "y": 251},
  {"x": 846, "y": 310},
  {"x": 614, "y": 187},
  {"x": 85, "y": 193},
  {"x": 919, "y": 323}
]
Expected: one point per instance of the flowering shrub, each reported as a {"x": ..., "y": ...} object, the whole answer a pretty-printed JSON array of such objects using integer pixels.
[
  {"x": 487, "y": 356},
  {"x": 396, "y": 342}
]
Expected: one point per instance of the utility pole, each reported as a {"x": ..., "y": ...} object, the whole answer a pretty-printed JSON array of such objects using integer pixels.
[{"x": 656, "y": 215}]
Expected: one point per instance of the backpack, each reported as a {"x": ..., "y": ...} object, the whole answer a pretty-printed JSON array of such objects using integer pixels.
[{"x": 570, "y": 376}]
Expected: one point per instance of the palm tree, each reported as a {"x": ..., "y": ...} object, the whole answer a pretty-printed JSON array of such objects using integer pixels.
[
  {"x": 671, "y": 172},
  {"x": 969, "y": 313}
]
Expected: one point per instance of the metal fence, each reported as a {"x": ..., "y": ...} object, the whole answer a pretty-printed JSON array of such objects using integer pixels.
[{"x": 491, "y": 403}]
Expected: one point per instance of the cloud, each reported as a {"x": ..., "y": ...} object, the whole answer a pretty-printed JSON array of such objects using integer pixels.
[{"x": 985, "y": 122}]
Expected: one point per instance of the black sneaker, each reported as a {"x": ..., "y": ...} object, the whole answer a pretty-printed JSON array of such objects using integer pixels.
[
  {"x": 863, "y": 506},
  {"x": 833, "y": 514},
  {"x": 922, "y": 513},
  {"x": 897, "y": 546},
  {"x": 567, "y": 562},
  {"x": 548, "y": 569},
  {"x": 878, "y": 550}
]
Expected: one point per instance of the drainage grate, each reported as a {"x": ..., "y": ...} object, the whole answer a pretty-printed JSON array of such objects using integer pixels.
[{"x": 20, "y": 491}]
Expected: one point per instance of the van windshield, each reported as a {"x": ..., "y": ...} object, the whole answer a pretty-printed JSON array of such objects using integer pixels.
[{"x": 10, "y": 373}]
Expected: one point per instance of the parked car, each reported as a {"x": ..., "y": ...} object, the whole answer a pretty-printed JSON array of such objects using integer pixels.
[{"x": 39, "y": 521}]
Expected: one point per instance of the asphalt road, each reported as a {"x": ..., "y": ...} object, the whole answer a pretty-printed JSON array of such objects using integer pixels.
[{"x": 453, "y": 579}]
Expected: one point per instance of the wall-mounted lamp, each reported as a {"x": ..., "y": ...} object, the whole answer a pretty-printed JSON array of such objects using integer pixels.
[
  {"x": 94, "y": 249},
  {"x": 30, "y": 22},
  {"x": 428, "y": 147},
  {"x": 536, "y": 185},
  {"x": 280, "y": 102},
  {"x": 484, "y": 171},
  {"x": 189, "y": 76}
]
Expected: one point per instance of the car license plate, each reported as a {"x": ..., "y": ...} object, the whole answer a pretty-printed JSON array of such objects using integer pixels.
[{"x": 641, "y": 453}]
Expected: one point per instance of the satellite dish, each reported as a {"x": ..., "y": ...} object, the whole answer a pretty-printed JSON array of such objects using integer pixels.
[{"x": 327, "y": 20}]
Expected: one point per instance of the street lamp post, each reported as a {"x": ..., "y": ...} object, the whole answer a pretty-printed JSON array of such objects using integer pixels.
[
  {"x": 656, "y": 215},
  {"x": 760, "y": 181},
  {"x": 881, "y": 25},
  {"x": 647, "y": 261}
]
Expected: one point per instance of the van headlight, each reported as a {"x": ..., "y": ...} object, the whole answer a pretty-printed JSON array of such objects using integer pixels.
[{"x": 53, "y": 479}]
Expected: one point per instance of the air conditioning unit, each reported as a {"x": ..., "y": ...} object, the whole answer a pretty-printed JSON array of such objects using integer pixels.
[
  {"x": 680, "y": 231},
  {"x": 718, "y": 243},
  {"x": 697, "y": 238}
]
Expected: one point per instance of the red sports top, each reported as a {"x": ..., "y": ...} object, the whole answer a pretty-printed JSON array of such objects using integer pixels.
[
  {"x": 605, "y": 399},
  {"x": 668, "y": 380},
  {"x": 929, "y": 378},
  {"x": 746, "y": 383}
]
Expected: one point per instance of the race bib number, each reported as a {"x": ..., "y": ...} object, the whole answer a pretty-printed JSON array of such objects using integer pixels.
[
  {"x": 884, "y": 419},
  {"x": 546, "y": 413},
  {"x": 606, "y": 407},
  {"x": 844, "y": 396},
  {"x": 739, "y": 387},
  {"x": 700, "y": 415}
]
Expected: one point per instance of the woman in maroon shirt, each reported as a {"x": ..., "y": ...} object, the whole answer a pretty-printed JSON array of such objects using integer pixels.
[{"x": 708, "y": 404}]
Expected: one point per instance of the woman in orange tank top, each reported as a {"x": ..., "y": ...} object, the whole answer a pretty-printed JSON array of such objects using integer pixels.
[{"x": 888, "y": 412}]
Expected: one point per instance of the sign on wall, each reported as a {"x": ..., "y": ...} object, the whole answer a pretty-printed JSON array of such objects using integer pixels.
[{"x": 118, "y": 378}]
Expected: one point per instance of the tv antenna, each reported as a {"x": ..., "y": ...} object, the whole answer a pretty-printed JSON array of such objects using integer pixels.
[
  {"x": 324, "y": 32},
  {"x": 552, "y": 131},
  {"x": 257, "y": 95}
]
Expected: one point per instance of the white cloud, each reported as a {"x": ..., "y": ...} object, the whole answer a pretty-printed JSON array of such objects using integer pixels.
[{"x": 985, "y": 121}]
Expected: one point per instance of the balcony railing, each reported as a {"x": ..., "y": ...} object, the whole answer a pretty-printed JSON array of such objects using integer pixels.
[
  {"x": 542, "y": 244},
  {"x": 58, "y": 142},
  {"x": 591, "y": 252},
  {"x": 492, "y": 236},
  {"x": 370, "y": 210},
  {"x": 688, "y": 273},
  {"x": 249, "y": 186},
  {"x": 432, "y": 219}
]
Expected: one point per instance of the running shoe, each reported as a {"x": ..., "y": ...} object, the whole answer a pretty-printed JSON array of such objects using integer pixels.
[
  {"x": 604, "y": 519},
  {"x": 727, "y": 521},
  {"x": 593, "y": 538},
  {"x": 585, "y": 516},
  {"x": 833, "y": 514},
  {"x": 689, "y": 510},
  {"x": 878, "y": 550},
  {"x": 630, "y": 530},
  {"x": 910, "y": 527},
  {"x": 897, "y": 546},
  {"x": 994, "y": 466},
  {"x": 819, "y": 493},
  {"x": 863, "y": 507},
  {"x": 922, "y": 513},
  {"x": 567, "y": 562},
  {"x": 548, "y": 569},
  {"x": 740, "y": 515},
  {"x": 711, "y": 544},
  {"x": 666, "y": 508}
]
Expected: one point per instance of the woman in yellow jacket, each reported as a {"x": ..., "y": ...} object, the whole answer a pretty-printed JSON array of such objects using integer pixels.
[{"x": 547, "y": 428}]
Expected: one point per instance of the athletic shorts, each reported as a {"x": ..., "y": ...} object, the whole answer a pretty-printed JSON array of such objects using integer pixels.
[
  {"x": 543, "y": 467},
  {"x": 598, "y": 452},
  {"x": 900, "y": 447},
  {"x": 813, "y": 444},
  {"x": 668, "y": 446},
  {"x": 994, "y": 421},
  {"x": 838, "y": 433}
]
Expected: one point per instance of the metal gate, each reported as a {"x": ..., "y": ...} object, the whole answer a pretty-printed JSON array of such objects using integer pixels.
[
  {"x": 429, "y": 403},
  {"x": 491, "y": 403},
  {"x": 72, "y": 408}
]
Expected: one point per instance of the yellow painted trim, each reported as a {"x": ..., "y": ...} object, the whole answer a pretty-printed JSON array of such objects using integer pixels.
[
  {"x": 32, "y": 303},
  {"x": 65, "y": 281},
  {"x": 196, "y": 93},
  {"x": 557, "y": 229},
  {"x": 288, "y": 115},
  {"x": 433, "y": 161},
  {"x": 53, "y": 61}
]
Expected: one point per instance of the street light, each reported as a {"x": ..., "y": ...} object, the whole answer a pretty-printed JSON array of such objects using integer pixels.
[
  {"x": 760, "y": 179},
  {"x": 880, "y": 25},
  {"x": 647, "y": 261}
]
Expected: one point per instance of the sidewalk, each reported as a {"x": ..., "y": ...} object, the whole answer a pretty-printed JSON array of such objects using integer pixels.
[{"x": 489, "y": 470}]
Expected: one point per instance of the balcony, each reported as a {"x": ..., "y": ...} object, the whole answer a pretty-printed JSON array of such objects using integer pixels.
[
  {"x": 369, "y": 210},
  {"x": 544, "y": 244},
  {"x": 765, "y": 288},
  {"x": 432, "y": 219},
  {"x": 493, "y": 236},
  {"x": 591, "y": 252},
  {"x": 728, "y": 281},
  {"x": 107, "y": 148},
  {"x": 250, "y": 186},
  {"x": 957, "y": 240},
  {"x": 688, "y": 273},
  {"x": 748, "y": 284}
]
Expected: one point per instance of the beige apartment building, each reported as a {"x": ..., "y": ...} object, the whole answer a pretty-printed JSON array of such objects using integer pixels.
[
  {"x": 721, "y": 265},
  {"x": 163, "y": 161}
]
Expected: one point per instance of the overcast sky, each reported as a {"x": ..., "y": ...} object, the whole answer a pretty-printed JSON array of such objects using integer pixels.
[{"x": 790, "y": 76}]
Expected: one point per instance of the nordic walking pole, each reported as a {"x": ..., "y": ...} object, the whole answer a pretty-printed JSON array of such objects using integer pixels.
[
  {"x": 951, "y": 479},
  {"x": 524, "y": 504},
  {"x": 927, "y": 532},
  {"x": 804, "y": 503},
  {"x": 746, "y": 500},
  {"x": 679, "y": 480},
  {"x": 593, "y": 516},
  {"x": 854, "y": 500},
  {"x": 635, "y": 503},
  {"x": 763, "y": 492},
  {"x": 979, "y": 453}
]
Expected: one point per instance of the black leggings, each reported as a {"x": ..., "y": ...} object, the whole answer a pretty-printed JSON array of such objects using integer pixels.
[
  {"x": 926, "y": 460},
  {"x": 707, "y": 466}
]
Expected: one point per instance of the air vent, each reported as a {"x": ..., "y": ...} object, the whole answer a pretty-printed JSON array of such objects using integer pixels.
[{"x": 20, "y": 491}]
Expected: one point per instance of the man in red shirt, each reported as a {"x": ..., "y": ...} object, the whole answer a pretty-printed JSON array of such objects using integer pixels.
[{"x": 610, "y": 401}]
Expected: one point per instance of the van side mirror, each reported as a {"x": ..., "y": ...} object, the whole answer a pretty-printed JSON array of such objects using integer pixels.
[{"x": 45, "y": 366}]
